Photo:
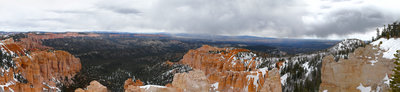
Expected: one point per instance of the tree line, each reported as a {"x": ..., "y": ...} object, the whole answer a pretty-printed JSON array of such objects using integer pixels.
[{"x": 389, "y": 31}]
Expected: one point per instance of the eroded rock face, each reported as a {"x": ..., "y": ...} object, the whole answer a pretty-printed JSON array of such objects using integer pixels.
[
  {"x": 35, "y": 71},
  {"x": 364, "y": 68},
  {"x": 130, "y": 82},
  {"x": 93, "y": 87},
  {"x": 220, "y": 69},
  {"x": 231, "y": 69},
  {"x": 194, "y": 81}
]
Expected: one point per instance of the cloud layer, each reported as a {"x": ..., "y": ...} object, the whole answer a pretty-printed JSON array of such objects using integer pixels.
[{"x": 268, "y": 18}]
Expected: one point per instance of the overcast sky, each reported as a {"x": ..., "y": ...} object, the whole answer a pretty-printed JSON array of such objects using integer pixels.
[{"x": 328, "y": 19}]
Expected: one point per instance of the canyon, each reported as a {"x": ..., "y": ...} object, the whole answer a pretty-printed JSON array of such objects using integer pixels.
[{"x": 33, "y": 62}]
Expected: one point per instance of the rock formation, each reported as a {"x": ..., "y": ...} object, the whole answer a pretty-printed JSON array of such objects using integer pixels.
[
  {"x": 35, "y": 71},
  {"x": 221, "y": 69},
  {"x": 93, "y": 87},
  {"x": 364, "y": 68},
  {"x": 131, "y": 82},
  {"x": 232, "y": 69},
  {"x": 194, "y": 81}
]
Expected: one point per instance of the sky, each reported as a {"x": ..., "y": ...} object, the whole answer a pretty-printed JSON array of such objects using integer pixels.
[{"x": 310, "y": 19}]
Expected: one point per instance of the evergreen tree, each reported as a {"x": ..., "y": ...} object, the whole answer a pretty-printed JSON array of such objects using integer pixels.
[
  {"x": 395, "y": 80},
  {"x": 377, "y": 33}
]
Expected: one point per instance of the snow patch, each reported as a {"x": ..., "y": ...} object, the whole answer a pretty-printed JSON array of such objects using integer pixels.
[
  {"x": 386, "y": 80},
  {"x": 283, "y": 79},
  {"x": 146, "y": 87},
  {"x": 364, "y": 89},
  {"x": 263, "y": 70},
  {"x": 255, "y": 77},
  {"x": 389, "y": 45},
  {"x": 215, "y": 85},
  {"x": 373, "y": 62},
  {"x": 6, "y": 85},
  {"x": 307, "y": 67},
  {"x": 325, "y": 90}
]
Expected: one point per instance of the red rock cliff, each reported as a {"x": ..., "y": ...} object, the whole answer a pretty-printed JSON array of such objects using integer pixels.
[
  {"x": 35, "y": 71},
  {"x": 231, "y": 69}
]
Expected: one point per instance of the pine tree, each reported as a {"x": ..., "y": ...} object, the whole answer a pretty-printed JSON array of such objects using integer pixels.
[
  {"x": 377, "y": 33},
  {"x": 395, "y": 80}
]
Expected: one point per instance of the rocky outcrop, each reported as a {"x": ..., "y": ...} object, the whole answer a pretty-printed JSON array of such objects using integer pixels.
[
  {"x": 232, "y": 69},
  {"x": 131, "y": 82},
  {"x": 25, "y": 71},
  {"x": 364, "y": 68},
  {"x": 194, "y": 81},
  {"x": 93, "y": 87},
  {"x": 32, "y": 44},
  {"x": 219, "y": 69}
]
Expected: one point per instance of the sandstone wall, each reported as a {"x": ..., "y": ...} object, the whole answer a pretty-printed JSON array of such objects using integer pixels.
[
  {"x": 93, "y": 87},
  {"x": 194, "y": 81},
  {"x": 229, "y": 71},
  {"x": 347, "y": 75}
]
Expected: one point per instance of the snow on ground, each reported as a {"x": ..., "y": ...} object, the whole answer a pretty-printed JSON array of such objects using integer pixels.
[
  {"x": 389, "y": 45},
  {"x": 6, "y": 85},
  {"x": 255, "y": 79},
  {"x": 215, "y": 85},
  {"x": 263, "y": 70},
  {"x": 325, "y": 91},
  {"x": 386, "y": 80},
  {"x": 307, "y": 67},
  {"x": 373, "y": 62},
  {"x": 283, "y": 79},
  {"x": 148, "y": 86},
  {"x": 364, "y": 89}
]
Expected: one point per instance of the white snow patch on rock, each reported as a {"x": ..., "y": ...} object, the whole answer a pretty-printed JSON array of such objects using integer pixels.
[
  {"x": 364, "y": 89},
  {"x": 307, "y": 67},
  {"x": 283, "y": 79},
  {"x": 215, "y": 85},
  {"x": 373, "y": 62},
  {"x": 386, "y": 80},
  {"x": 146, "y": 87}
]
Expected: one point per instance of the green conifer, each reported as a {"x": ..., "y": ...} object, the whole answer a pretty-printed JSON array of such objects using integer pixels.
[{"x": 395, "y": 80}]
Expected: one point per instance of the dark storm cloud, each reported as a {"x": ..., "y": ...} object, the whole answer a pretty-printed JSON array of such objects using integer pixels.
[
  {"x": 228, "y": 16},
  {"x": 347, "y": 21},
  {"x": 122, "y": 10},
  {"x": 269, "y": 18}
]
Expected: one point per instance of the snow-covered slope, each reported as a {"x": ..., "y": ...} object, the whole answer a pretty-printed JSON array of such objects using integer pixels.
[
  {"x": 342, "y": 49},
  {"x": 302, "y": 72},
  {"x": 390, "y": 46}
]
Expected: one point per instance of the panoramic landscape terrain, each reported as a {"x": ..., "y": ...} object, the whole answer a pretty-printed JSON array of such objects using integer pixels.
[{"x": 200, "y": 46}]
